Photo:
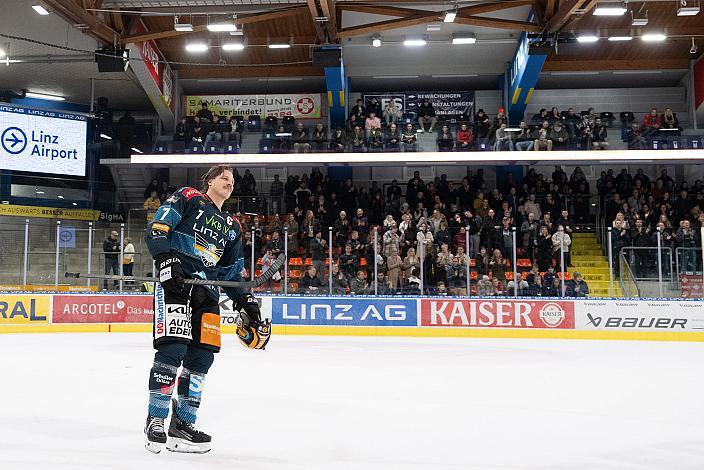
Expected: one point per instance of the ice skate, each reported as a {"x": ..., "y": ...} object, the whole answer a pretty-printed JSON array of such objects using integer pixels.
[
  {"x": 184, "y": 437},
  {"x": 155, "y": 435}
]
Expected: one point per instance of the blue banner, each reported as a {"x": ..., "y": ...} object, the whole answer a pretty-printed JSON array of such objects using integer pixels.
[
  {"x": 67, "y": 237},
  {"x": 447, "y": 104},
  {"x": 346, "y": 311}
]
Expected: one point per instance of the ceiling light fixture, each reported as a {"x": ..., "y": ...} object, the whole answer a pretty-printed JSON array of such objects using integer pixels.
[
  {"x": 105, "y": 136},
  {"x": 196, "y": 47},
  {"x": 42, "y": 96},
  {"x": 639, "y": 20},
  {"x": 135, "y": 149},
  {"x": 223, "y": 26},
  {"x": 587, "y": 38},
  {"x": 376, "y": 41},
  {"x": 620, "y": 38},
  {"x": 416, "y": 42},
  {"x": 2, "y": 53},
  {"x": 450, "y": 16},
  {"x": 40, "y": 9},
  {"x": 182, "y": 27},
  {"x": 464, "y": 39},
  {"x": 233, "y": 46},
  {"x": 653, "y": 37},
  {"x": 610, "y": 9},
  {"x": 688, "y": 7},
  {"x": 275, "y": 45}
]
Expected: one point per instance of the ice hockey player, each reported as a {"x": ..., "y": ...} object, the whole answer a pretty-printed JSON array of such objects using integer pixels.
[{"x": 191, "y": 237}]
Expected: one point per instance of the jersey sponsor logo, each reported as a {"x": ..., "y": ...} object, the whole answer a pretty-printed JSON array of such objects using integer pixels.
[
  {"x": 160, "y": 227},
  {"x": 177, "y": 321},
  {"x": 497, "y": 313},
  {"x": 361, "y": 311},
  {"x": 190, "y": 193},
  {"x": 195, "y": 386},
  {"x": 159, "y": 311}
]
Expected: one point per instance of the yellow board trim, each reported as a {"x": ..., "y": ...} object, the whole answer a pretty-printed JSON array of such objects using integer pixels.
[
  {"x": 342, "y": 99},
  {"x": 529, "y": 95},
  {"x": 417, "y": 332},
  {"x": 330, "y": 99},
  {"x": 516, "y": 95}
]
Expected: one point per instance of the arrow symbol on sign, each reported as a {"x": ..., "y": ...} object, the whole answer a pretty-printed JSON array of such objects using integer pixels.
[{"x": 14, "y": 140}]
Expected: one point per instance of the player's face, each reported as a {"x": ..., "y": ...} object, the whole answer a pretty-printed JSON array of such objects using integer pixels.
[{"x": 223, "y": 185}]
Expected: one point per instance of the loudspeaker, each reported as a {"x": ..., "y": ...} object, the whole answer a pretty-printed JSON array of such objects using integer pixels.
[
  {"x": 112, "y": 60},
  {"x": 327, "y": 57}
]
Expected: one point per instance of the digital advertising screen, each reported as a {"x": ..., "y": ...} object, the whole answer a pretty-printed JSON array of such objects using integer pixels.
[{"x": 42, "y": 141}]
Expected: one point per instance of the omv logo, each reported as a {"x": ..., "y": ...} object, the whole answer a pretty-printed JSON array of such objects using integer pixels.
[{"x": 13, "y": 140}]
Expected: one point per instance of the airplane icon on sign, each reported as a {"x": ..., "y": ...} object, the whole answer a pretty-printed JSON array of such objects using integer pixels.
[{"x": 13, "y": 140}]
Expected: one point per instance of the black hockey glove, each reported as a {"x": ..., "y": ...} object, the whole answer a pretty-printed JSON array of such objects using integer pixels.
[
  {"x": 249, "y": 311},
  {"x": 170, "y": 274}
]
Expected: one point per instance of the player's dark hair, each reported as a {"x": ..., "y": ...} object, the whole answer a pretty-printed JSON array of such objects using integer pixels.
[{"x": 213, "y": 173}]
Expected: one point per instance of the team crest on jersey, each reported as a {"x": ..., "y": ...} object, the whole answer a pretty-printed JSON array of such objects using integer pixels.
[
  {"x": 173, "y": 198},
  {"x": 209, "y": 253}
]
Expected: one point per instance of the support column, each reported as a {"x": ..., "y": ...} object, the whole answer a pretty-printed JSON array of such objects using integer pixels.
[
  {"x": 522, "y": 76},
  {"x": 336, "y": 95}
]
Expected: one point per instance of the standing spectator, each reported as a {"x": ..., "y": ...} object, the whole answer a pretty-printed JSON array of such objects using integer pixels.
[
  {"x": 392, "y": 113},
  {"x": 317, "y": 250},
  {"x": 410, "y": 263},
  {"x": 338, "y": 143},
  {"x": 276, "y": 192},
  {"x": 688, "y": 240},
  {"x": 497, "y": 267},
  {"x": 529, "y": 232},
  {"x": 652, "y": 124},
  {"x": 426, "y": 114},
  {"x": 464, "y": 137},
  {"x": 349, "y": 261},
  {"x": 310, "y": 226},
  {"x": 408, "y": 139},
  {"x": 291, "y": 227},
  {"x": 490, "y": 230},
  {"x": 128, "y": 259},
  {"x": 301, "y": 140},
  {"x": 543, "y": 138},
  {"x": 506, "y": 238},
  {"x": 560, "y": 243},
  {"x": 320, "y": 138},
  {"x": 523, "y": 138},
  {"x": 543, "y": 244},
  {"x": 481, "y": 261},
  {"x": 393, "y": 265},
  {"x": 599, "y": 135},
  {"x": 482, "y": 125},
  {"x": 577, "y": 287},
  {"x": 340, "y": 284},
  {"x": 152, "y": 204},
  {"x": 391, "y": 241},
  {"x": 620, "y": 238},
  {"x": 111, "y": 250},
  {"x": 182, "y": 132},
  {"x": 360, "y": 223}
]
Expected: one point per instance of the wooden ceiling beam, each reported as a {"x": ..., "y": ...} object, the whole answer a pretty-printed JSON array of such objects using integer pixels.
[
  {"x": 377, "y": 9},
  {"x": 388, "y": 25},
  {"x": 241, "y": 20},
  {"x": 314, "y": 13},
  {"x": 580, "y": 65},
  {"x": 200, "y": 73},
  {"x": 498, "y": 23},
  {"x": 328, "y": 7},
  {"x": 73, "y": 13},
  {"x": 563, "y": 15}
]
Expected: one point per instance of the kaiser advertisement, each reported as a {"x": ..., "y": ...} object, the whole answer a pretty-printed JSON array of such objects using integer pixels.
[
  {"x": 300, "y": 106},
  {"x": 103, "y": 309},
  {"x": 344, "y": 311},
  {"x": 484, "y": 313},
  {"x": 42, "y": 141}
]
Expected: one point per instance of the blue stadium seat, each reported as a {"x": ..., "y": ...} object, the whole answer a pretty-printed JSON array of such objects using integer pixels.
[
  {"x": 178, "y": 146},
  {"x": 161, "y": 148},
  {"x": 408, "y": 118},
  {"x": 271, "y": 122},
  {"x": 254, "y": 123},
  {"x": 230, "y": 148},
  {"x": 195, "y": 147},
  {"x": 212, "y": 147},
  {"x": 266, "y": 146},
  {"x": 289, "y": 123}
]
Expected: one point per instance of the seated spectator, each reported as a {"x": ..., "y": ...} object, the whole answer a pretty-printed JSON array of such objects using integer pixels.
[
  {"x": 502, "y": 139},
  {"x": 310, "y": 282},
  {"x": 340, "y": 284},
  {"x": 457, "y": 269},
  {"x": 635, "y": 139},
  {"x": 539, "y": 117},
  {"x": 542, "y": 139},
  {"x": 409, "y": 139},
  {"x": 375, "y": 142},
  {"x": 586, "y": 132},
  {"x": 338, "y": 143},
  {"x": 554, "y": 116},
  {"x": 225, "y": 127},
  {"x": 320, "y": 138},
  {"x": 214, "y": 134},
  {"x": 571, "y": 121},
  {"x": 445, "y": 141},
  {"x": 464, "y": 137},
  {"x": 651, "y": 124},
  {"x": 669, "y": 120},
  {"x": 383, "y": 287},
  {"x": 153, "y": 186},
  {"x": 523, "y": 138},
  {"x": 393, "y": 138},
  {"x": 426, "y": 114},
  {"x": 413, "y": 283},
  {"x": 358, "y": 284},
  {"x": 372, "y": 122},
  {"x": 484, "y": 287},
  {"x": 152, "y": 204},
  {"x": 183, "y": 131},
  {"x": 577, "y": 287},
  {"x": 599, "y": 135},
  {"x": 301, "y": 141},
  {"x": 204, "y": 112},
  {"x": 517, "y": 282},
  {"x": 552, "y": 287},
  {"x": 236, "y": 130},
  {"x": 392, "y": 113},
  {"x": 358, "y": 139},
  {"x": 282, "y": 143},
  {"x": 559, "y": 136}
]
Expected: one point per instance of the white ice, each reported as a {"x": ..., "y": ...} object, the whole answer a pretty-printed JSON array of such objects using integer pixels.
[{"x": 78, "y": 401}]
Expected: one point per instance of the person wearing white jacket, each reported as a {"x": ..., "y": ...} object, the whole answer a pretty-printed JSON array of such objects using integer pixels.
[{"x": 560, "y": 237}]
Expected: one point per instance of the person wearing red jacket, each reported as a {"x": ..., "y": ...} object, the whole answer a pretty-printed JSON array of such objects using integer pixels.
[
  {"x": 651, "y": 124},
  {"x": 464, "y": 138}
]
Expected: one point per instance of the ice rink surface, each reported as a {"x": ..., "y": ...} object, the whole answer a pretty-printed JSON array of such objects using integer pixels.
[{"x": 78, "y": 401}]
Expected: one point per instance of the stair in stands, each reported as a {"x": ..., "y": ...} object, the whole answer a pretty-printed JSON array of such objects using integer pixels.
[{"x": 589, "y": 260}]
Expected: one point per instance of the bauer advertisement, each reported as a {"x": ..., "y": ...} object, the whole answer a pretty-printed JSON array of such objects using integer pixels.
[{"x": 300, "y": 106}]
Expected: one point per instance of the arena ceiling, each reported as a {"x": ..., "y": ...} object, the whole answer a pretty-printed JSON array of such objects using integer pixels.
[{"x": 352, "y": 24}]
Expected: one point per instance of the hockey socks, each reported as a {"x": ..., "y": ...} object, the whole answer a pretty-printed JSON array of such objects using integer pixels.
[
  {"x": 190, "y": 388},
  {"x": 162, "y": 379}
]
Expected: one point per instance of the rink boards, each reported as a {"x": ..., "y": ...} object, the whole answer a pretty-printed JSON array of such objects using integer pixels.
[{"x": 653, "y": 319}]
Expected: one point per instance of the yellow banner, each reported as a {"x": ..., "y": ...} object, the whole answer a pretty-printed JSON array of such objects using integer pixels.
[
  {"x": 49, "y": 212},
  {"x": 25, "y": 309}
]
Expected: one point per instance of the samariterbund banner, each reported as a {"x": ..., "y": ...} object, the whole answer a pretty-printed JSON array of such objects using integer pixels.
[
  {"x": 103, "y": 309},
  {"x": 485, "y": 313},
  {"x": 300, "y": 106}
]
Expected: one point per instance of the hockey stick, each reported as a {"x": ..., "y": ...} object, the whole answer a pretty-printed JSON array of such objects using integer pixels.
[{"x": 266, "y": 275}]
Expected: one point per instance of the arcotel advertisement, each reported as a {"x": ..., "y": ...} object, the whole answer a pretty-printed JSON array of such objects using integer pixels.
[
  {"x": 103, "y": 309},
  {"x": 42, "y": 141},
  {"x": 485, "y": 313}
]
